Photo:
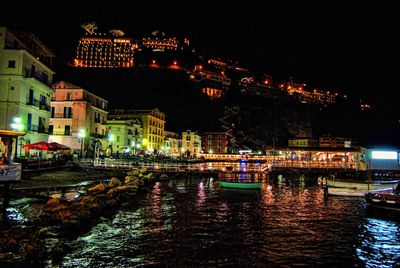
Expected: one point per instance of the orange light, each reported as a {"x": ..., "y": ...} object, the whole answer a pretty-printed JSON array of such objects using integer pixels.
[
  {"x": 175, "y": 62},
  {"x": 266, "y": 82},
  {"x": 153, "y": 61}
]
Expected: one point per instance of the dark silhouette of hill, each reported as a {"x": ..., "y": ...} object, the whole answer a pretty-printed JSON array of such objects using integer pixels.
[
  {"x": 259, "y": 122},
  {"x": 143, "y": 88}
]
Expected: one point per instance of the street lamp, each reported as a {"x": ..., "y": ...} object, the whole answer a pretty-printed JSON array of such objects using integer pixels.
[
  {"x": 81, "y": 136},
  {"x": 16, "y": 124}
]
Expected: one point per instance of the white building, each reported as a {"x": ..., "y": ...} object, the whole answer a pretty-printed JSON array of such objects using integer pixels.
[
  {"x": 25, "y": 79},
  {"x": 191, "y": 143}
]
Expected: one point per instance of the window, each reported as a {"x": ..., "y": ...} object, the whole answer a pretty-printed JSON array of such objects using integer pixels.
[
  {"x": 117, "y": 138},
  {"x": 67, "y": 112},
  {"x": 29, "y": 127},
  {"x": 67, "y": 130},
  {"x": 188, "y": 138},
  {"x": 11, "y": 64},
  {"x": 51, "y": 129},
  {"x": 69, "y": 96}
]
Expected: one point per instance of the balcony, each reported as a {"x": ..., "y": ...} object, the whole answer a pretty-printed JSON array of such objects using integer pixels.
[
  {"x": 61, "y": 115},
  {"x": 44, "y": 106},
  {"x": 38, "y": 129},
  {"x": 33, "y": 102},
  {"x": 97, "y": 135},
  {"x": 41, "y": 76}
]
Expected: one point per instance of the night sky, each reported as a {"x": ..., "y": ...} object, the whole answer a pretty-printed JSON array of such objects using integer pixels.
[{"x": 329, "y": 44}]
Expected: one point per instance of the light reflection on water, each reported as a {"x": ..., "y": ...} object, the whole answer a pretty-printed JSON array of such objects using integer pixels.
[
  {"x": 380, "y": 243},
  {"x": 195, "y": 223}
]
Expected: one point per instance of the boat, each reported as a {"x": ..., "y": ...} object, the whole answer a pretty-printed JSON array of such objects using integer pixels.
[
  {"x": 240, "y": 185},
  {"x": 357, "y": 188},
  {"x": 384, "y": 199}
]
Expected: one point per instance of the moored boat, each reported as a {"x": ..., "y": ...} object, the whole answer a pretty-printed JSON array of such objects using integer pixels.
[
  {"x": 362, "y": 185},
  {"x": 384, "y": 199},
  {"x": 240, "y": 185},
  {"x": 352, "y": 188}
]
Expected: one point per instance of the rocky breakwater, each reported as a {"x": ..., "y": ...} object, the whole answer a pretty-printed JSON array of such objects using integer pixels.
[{"x": 65, "y": 216}]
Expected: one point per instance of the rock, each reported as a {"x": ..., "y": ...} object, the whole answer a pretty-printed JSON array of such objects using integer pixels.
[
  {"x": 134, "y": 173},
  {"x": 114, "y": 182},
  {"x": 53, "y": 202},
  {"x": 164, "y": 177},
  {"x": 128, "y": 179},
  {"x": 98, "y": 188}
]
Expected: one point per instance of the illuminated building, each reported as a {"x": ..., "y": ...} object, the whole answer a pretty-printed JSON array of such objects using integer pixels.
[
  {"x": 211, "y": 81},
  {"x": 306, "y": 143},
  {"x": 161, "y": 51},
  {"x": 260, "y": 87},
  {"x": 172, "y": 143},
  {"x": 191, "y": 143},
  {"x": 158, "y": 42},
  {"x": 74, "y": 110},
  {"x": 105, "y": 50},
  {"x": 127, "y": 134},
  {"x": 25, "y": 84},
  {"x": 153, "y": 123},
  {"x": 306, "y": 96},
  {"x": 332, "y": 142},
  {"x": 214, "y": 142}
]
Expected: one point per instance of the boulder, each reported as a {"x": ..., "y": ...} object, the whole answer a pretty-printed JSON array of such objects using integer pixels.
[
  {"x": 114, "y": 182},
  {"x": 98, "y": 188}
]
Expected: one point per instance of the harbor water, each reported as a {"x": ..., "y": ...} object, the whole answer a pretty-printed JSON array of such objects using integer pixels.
[{"x": 195, "y": 223}]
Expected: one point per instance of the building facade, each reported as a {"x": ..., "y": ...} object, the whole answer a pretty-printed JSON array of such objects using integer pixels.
[
  {"x": 153, "y": 123},
  {"x": 215, "y": 142},
  {"x": 191, "y": 143},
  {"x": 25, "y": 85},
  {"x": 78, "y": 117},
  {"x": 125, "y": 135},
  {"x": 105, "y": 51},
  {"x": 172, "y": 144}
]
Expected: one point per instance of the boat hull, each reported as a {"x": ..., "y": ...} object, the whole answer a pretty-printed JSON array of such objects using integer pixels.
[
  {"x": 361, "y": 185},
  {"x": 385, "y": 199},
  {"x": 240, "y": 185}
]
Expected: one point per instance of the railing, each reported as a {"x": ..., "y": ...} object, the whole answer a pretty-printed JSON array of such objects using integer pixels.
[
  {"x": 41, "y": 76},
  {"x": 221, "y": 166},
  {"x": 61, "y": 115},
  {"x": 33, "y": 102},
  {"x": 44, "y": 106}
]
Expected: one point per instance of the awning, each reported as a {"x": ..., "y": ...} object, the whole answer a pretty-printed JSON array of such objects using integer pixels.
[{"x": 45, "y": 146}]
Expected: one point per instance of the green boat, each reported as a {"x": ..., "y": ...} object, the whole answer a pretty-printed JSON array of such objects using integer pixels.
[{"x": 240, "y": 185}]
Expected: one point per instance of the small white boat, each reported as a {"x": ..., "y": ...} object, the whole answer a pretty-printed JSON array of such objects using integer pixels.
[{"x": 351, "y": 188}]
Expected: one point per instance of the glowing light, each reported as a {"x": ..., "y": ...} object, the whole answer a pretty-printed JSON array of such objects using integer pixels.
[
  {"x": 392, "y": 155},
  {"x": 16, "y": 124},
  {"x": 81, "y": 133}
]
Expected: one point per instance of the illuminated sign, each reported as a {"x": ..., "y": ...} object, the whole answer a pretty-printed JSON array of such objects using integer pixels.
[{"x": 384, "y": 155}]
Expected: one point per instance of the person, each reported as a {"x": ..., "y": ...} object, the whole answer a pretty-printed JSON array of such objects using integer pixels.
[{"x": 3, "y": 160}]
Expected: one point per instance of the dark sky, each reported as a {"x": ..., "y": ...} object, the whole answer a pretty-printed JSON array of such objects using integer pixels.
[{"x": 352, "y": 48}]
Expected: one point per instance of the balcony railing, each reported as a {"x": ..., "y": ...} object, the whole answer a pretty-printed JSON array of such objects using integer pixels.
[
  {"x": 33, "y": 102},
  {"x": 97, "y": 135},
  {"x": 61, "y": 115},
  {"x": 38, "y": 129},
  {"x": 41, "y": 76},
  {"x": 44, "y": 106}
]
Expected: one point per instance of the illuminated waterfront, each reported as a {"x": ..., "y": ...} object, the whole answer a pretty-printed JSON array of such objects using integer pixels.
[{"x": 195, "y": 223}]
